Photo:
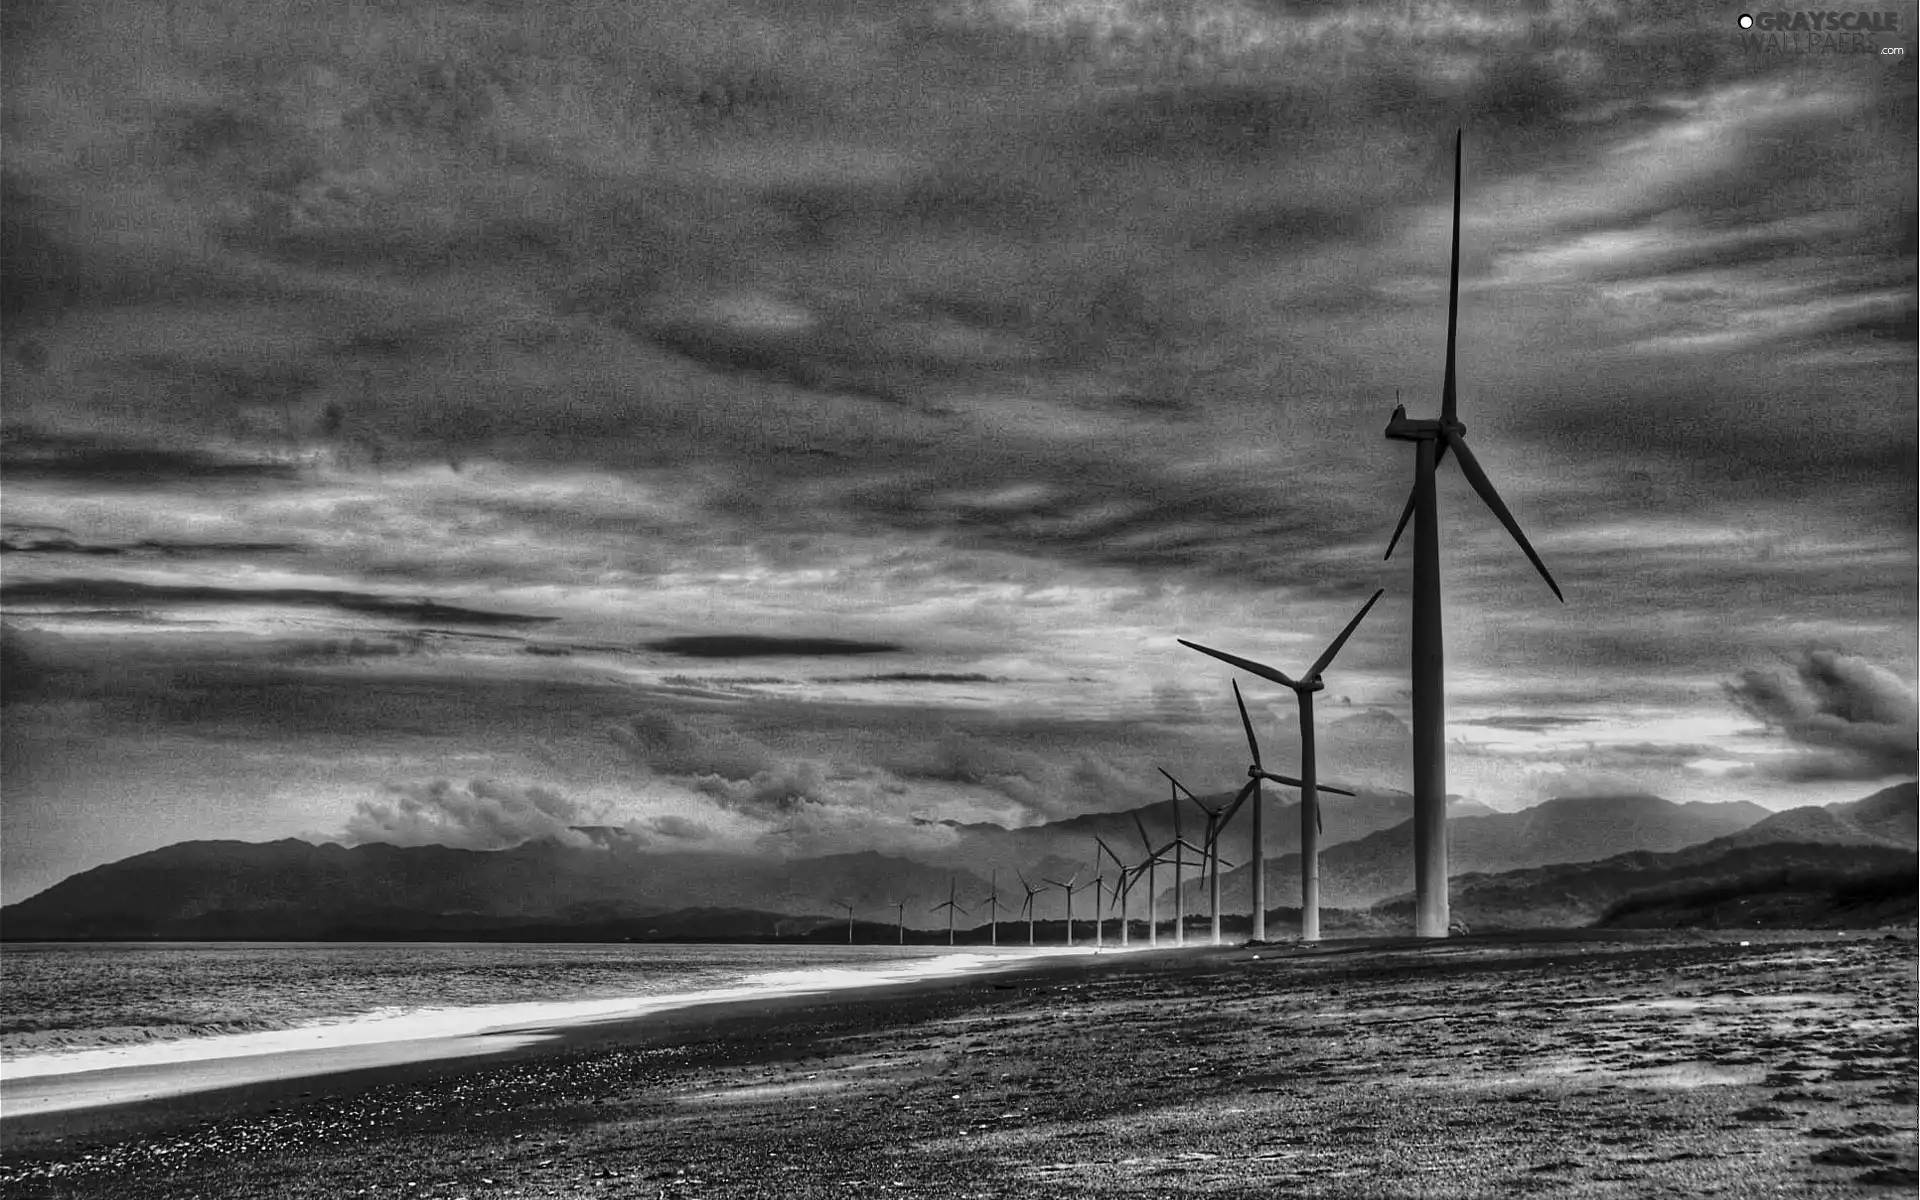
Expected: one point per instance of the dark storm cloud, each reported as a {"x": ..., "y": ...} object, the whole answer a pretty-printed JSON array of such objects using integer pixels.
[
  {"x": 29, "y": 454},
  {"x": 674, "y": 745},
  {"x": 915, "y": 677},
  {"x": 76, "y": 592},
  {"x": 746, "y": 645},
  {"x": 52, "y": 539},
  {"x": 1851, "y": 718},
  {"x": 1525, "y": 724}
]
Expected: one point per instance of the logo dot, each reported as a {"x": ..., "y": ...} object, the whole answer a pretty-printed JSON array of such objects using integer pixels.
[{"x": 1746, "y": 21}]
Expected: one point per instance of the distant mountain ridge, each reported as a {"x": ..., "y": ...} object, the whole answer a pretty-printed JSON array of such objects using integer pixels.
[
  {"x": 1361, "y": 872},
  {"x": 1794, "y": 848},
  {"x": 291, "y": 888},
  {"x": 295, "y": 889}
]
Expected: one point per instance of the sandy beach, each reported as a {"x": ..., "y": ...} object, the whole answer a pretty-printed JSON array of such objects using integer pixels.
[{"x": 1574, "y": 1064}]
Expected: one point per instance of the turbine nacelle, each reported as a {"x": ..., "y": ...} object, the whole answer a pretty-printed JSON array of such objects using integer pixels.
[{"x": 1410, "y": 429}]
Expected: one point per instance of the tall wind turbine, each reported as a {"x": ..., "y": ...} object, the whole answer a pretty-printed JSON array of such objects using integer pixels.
[
  {"x": 1152, "y": 860},
  {"x": 844, "y": 904},
  {"x": 1026, "y": 909},
  {"x": 1256, "y": 773},
  {"x": 1122, "y": 886},
  {"x": 1432, "y": 439},
  {"x": 993, "y": 907},
  {"x": 1311, "y": 825},
  {"x": 1099, "y": 897},
  {"x": 1217, "y": 819},
  {"x": 952, "y": 906},
  {"x": 901, "y": 904}
]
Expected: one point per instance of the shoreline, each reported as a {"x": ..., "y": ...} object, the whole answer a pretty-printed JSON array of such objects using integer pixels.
[
  {"x": 1588, "y": 1063},
  {"x": 47, "y": 1083}
]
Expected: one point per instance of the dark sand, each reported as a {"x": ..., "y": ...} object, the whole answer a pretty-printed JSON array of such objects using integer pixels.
[{"x": 1568, "y": 1065}]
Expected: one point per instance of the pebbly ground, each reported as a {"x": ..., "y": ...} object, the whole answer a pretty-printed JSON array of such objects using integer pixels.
[{"x": 1555, "y": 1065}]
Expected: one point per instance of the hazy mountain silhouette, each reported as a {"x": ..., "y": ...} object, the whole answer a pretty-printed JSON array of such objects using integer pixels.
[
  {"x": 291, "y": 888},
  {"x": 1067, "y": 844},
  {"x": 1360, "y": 872},
  {"x": 1820, "y": 866}
]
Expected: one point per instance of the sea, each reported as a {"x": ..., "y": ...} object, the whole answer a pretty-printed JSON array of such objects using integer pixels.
[{"x": 68, "y": 1007}]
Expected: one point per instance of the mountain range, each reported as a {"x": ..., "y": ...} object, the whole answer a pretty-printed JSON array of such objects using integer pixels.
[
  {"x": 1566, "y": 861},
  {"x": 1365, "y": 870}
]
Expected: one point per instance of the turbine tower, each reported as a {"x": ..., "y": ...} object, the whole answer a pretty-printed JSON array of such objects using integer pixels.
[
  {"x": 849, "y": 907},
  {"x": 1217, "y": 819},
  {"x": 901, "y": 905},
  {"x": 1026, "y": 909},
  {"x": 1256, "y": 773},
  {"x": 993, "y": 907},
  {"x": 1071, "y": 886},
  {"x": 1311, "y": 825},
  {"x": 1432, "y": 440},
  {"x": 952, "y": 906},
  {"x": 1122, "y": 886}
]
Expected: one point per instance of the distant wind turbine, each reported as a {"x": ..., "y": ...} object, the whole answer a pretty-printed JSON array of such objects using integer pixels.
[
  {"x": 1179, "y": 845},
  {"x": 901, "y": 905},
  {"x": 1311, "y": 826},
  {"x": 1070, "y": 887},
  {"x": 993, "y": 907},
  {"x": 1217, "y": 819},
  {"x": 1432, "y": 439},
  {"x": 849, "y": 908},
  {"x": 952, "y": 906},
  {"x": 1026, "y": 908}
]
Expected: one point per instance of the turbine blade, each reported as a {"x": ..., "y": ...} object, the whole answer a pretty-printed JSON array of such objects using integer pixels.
[
  {"x": 1253, "y": 743},
  {"x": 1319, "y": 822},
  {"x": 1470, "y": 467},
  {"x": 1448, "y": 399},
  {"x": 1141, "y": 826},
  {"x": 1245, "y": 791},
  {"x": 1245, "y": 664},
  {"x": 1183, "y": 787},
  {"x": 1406, "y": 515},
  {"x": 1326, "y": 660}
]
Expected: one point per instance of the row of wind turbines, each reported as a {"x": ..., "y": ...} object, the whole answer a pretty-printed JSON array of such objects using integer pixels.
[{"x": 1433, "y": 441}]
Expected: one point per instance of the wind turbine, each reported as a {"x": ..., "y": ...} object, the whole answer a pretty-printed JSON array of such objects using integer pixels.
[
  {"x": 1099, "y": 882},
  {"x": 1217, "y": 819},
  {"x": 1069, "y": 887},
  {"x": 1179, "y": 845},
  {"x": 993, "y": 907},
  {"x": 1122, "y": 887},
  {"x": 1153, "y": 905},
  {"x": 1027, "y": 908},
  {"x": 1255, "y": 774},
  {"x": 849, "y": 908},
  {"x": 901, "y": 905},
  {"x": 1311, "y": 825},
  {"x": 1432, "y": 439},
  {"x": 952, "y": 906}
]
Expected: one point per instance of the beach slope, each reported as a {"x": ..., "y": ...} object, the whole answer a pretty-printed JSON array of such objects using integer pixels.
[{"x": 1576, "y": 1064}]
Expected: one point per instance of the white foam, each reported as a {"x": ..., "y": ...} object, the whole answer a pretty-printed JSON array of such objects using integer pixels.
[{"x": 495, "y": 1020}]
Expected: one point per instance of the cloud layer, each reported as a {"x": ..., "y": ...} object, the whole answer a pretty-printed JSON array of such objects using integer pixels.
[{"x": 563, "y": 398}]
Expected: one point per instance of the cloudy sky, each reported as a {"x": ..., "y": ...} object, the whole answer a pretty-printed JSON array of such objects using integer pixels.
[{"x": 777, "y": 424}]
